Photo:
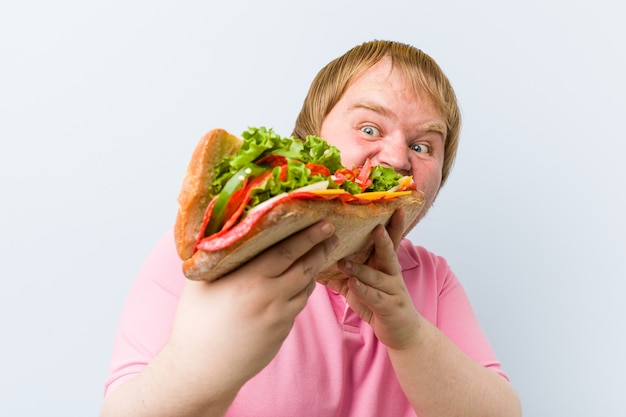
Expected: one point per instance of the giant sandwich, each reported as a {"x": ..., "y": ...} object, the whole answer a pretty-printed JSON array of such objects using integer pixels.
[{"x": 241, "y": 196}]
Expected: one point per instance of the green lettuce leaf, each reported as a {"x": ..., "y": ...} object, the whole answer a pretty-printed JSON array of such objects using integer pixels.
[
  {"x": 259, "y": 142},
  {"x": 383, "y": 178}
]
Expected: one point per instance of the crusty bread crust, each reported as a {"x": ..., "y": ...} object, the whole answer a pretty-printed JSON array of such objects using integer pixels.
[
  {"x": 195, "y": 195},
  {"x": 353, "y": 226}
]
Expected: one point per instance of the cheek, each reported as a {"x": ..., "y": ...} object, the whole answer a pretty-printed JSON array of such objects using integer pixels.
[
  {"x": 352, "y": 152},
  {"x": 430, "y": 191},
  {"x": 428, "y": 180},
  {"x": 351, "y": 156}
]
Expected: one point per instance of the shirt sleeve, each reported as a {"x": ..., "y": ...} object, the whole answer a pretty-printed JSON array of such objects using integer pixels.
[
  {"x": 148, "y": 314},
  {"x": 440, "y": 297}
]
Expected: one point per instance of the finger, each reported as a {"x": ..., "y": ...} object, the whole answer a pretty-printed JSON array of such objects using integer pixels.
[
  {"x": 298, "y": 300},
  {"x": 384, "y": 257},
  {"x": 365, "y": 276},
  {"x": 395, "y": 228},
  {"x": 337, "y": 285},
  {"x": 382, "y": 263},
  {"x": 309, "y": 265},
  {"x": 280, "y": 257},
  {"x": 373, "y": 292},
  {"x": 304, "y": 293},
  {"x": 307, "y": 268}
]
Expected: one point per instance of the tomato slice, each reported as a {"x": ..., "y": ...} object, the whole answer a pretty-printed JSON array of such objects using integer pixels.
[
  {"x": 237, "y": 206},
  {"x": 216, "y": 218},
  {"x": 317, "y": 169},
  {"x": 343, "y": 174}
]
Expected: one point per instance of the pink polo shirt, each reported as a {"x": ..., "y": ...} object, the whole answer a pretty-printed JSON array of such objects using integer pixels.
[{"x": 331, "y": 364}]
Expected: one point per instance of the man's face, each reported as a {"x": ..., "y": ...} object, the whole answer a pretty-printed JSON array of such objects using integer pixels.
[{"x": 381, "y": 117}]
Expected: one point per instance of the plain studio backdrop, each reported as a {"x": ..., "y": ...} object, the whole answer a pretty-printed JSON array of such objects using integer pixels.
[{"x": 102, "y": 102}]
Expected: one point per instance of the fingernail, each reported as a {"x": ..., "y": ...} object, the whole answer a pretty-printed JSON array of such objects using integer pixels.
[
  {"x": 348, "y": 265},
  {"x": 327, "y": 228}
]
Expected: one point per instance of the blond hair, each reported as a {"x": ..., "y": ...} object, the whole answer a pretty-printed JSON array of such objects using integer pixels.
[{"x": 331, "y": 82}]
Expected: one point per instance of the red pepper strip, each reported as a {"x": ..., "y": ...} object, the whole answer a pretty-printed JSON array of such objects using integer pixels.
[
  {"x": 238, "y": 210},
  {"x": 235, "y": 201},
  {"x": 205, "y": 220},
  {"x": 317, "y": 169},
  {"x": 283, "y": 173},
  {"x": 272, "y": 160},
  {"x": 223, "y": 239},
  {"x": 275, "y": 161},
  {"x": 363, "y": 178}
]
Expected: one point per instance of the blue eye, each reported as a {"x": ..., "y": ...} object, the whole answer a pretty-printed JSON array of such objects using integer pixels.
[
  {"x": 370, "y": 131},
  {"x": 419, "y": 148}
]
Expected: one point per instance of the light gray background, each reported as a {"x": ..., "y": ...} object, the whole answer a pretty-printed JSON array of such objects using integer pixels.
[{"x": 101, "y": 103}]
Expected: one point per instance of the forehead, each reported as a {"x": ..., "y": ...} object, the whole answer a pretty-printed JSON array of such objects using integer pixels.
[
  {"x": 404, "y": 79},
  {"x": 383, "y": 84},
  {"x": 381, "y": 72}
]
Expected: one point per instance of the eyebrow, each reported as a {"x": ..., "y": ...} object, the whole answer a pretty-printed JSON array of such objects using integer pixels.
[
  {"x": 383, "y": 111},
  {"x": 375, "y": 108},
  {"x": 435, "y": 127}
]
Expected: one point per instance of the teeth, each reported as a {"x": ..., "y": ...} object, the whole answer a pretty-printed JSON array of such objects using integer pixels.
[
  {"x": 248, "y": 171},
  {"x": 242, "y": 177}
]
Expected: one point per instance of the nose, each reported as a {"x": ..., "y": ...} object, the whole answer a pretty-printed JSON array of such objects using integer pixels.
[{"x": 395, "y": 153}]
